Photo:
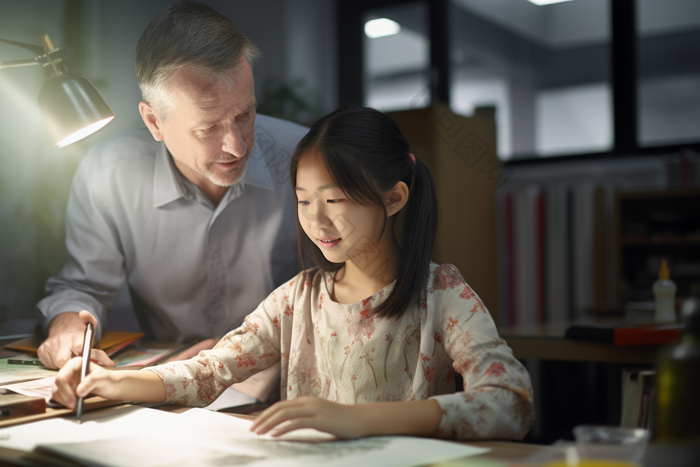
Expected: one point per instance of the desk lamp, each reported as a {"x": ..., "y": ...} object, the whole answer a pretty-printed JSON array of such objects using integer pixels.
[{"x": 72, "y": 107}]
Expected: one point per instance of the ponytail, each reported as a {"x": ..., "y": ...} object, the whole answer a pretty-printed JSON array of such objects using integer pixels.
[{"x": 417, "y": 240}]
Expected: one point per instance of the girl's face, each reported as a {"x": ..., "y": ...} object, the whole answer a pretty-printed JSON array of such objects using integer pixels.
[{"x": 341, "y": 228}]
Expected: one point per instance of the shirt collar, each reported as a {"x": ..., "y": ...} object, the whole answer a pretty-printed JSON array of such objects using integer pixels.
[
  {"x": 258, "y": 174},
  {"x": 168, "y": 183}
]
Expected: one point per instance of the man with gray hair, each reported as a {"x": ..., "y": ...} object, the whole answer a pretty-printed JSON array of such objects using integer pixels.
[{"x": 196, "y": 214}]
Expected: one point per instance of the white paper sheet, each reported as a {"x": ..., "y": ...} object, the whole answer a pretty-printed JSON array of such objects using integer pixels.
[
  {"x": 96, "y": 424},
  {"x": 34, "y": 388},
  {"x": 231, "y": 398},
  {"x": 148, "y": 437}
]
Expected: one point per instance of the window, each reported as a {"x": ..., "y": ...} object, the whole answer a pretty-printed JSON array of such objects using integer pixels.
[
  {"x": 586, "y": 78},
  {"x": 396, "y": 57},
  {"x": 668, "y": 92},
  {"x": 544, "y": 68}
]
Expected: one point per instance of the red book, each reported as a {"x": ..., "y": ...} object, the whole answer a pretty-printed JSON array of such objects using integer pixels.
[{"x": 624, "y": 334}]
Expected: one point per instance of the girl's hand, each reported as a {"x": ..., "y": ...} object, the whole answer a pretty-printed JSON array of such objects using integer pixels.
[
  {"x": 343, "y": 421},
  {"x": 67, "y": 386}
]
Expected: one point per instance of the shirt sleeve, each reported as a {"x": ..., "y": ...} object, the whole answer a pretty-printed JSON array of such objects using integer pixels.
[
  {"x": 241, "y": 353},
  {"x": 496, "y": 401},
  {"x": 93, "y": 273}
]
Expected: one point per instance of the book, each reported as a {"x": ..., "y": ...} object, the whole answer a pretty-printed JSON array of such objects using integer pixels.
[
  {"x": 528, "y": 256},
  {"x": 624, "y": 334},
  {"x": 556, "y": 255},
  {"x": 139, "y": 356},
  {"x": 19, "y": 405},
  {"x": 111, "y": 342},
  {"x": 11, "y": 373},
  {"x": 25, "y": 359},
  {"x": 582, "y": 247},
  {"x": 638, "y": 394}
]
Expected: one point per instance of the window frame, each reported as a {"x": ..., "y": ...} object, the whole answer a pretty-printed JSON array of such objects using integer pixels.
[{"x": 623, "y": 68}]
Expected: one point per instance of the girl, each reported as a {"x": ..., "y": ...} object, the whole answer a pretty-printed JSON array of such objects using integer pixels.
[{"x": 368, "y": 341}]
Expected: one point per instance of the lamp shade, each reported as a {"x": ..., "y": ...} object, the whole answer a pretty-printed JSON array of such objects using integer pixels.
[{"x": 72, "y": 108}]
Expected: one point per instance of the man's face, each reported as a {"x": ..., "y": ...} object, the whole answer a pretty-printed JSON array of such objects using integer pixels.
[{"x": 209, "y": 127}]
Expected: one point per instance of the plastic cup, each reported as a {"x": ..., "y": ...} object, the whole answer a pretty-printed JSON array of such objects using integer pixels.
[{"x": 611, "y": 443}]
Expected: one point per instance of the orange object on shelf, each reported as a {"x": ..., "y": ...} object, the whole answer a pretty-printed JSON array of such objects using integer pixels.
[{"x": 625, "y": 334}]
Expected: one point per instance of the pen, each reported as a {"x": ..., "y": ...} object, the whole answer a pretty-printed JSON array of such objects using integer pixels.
[
  {"x": 24, "y": 360},
  {"x": 87, "y": 345}
]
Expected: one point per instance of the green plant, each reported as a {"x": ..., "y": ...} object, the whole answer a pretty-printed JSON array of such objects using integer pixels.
[{"x": 293, "y": 101}]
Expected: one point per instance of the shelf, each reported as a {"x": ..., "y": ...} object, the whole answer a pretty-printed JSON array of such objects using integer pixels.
[
  {"x": 547, "y": 342},
  {"x": 681, "y": 243}
]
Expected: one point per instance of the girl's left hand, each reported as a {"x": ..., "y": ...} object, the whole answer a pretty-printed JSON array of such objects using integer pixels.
[{"x": 343, "y": 421}]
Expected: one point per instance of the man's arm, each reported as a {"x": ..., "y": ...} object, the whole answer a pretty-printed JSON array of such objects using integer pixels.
[{"x": 93, "y": 273}]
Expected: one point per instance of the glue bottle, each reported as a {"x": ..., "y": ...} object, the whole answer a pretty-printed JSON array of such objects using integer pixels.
[{"x": 665, "y": 296}]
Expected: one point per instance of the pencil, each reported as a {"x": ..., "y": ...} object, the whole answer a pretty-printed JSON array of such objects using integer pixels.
[{"x": 87, "y": 345}]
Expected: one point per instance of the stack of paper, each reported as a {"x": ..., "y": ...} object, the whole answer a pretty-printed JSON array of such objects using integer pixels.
[{"x": 131, "y": 436}]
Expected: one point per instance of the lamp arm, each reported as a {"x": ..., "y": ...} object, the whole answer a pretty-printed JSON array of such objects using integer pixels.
[
  {"x": 46, "y": 54},
  {"x": 37, "y": 49},
  {"x": 16, "y": 63}
]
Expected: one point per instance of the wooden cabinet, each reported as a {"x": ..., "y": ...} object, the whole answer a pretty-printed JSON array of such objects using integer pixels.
[
  {"x": 461, "y": 154},
  {"x": 651, "y": 227}
]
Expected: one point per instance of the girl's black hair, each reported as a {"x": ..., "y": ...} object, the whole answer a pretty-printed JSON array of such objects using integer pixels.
[{"x": 367, "y": 155}]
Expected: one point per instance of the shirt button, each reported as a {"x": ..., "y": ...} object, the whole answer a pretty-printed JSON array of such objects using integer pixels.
[{"x": 215, "y": 255}]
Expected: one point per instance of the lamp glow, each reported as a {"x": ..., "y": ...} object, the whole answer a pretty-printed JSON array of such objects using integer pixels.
[
  {"x": 381, "y": 27},
  {"x": 547, "y": 2},
  {"x": 72, "y": 107},
  {"x": 83, "y": 133}
]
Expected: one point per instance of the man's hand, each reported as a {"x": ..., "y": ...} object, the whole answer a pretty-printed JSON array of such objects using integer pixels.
[
  {"x": 194, "y": 350},
  {"x": 65, "y": 341}
]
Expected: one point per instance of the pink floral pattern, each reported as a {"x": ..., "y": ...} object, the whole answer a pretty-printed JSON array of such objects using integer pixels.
[
  {"x": 496, "y": 369},
  {"x": 368, "y": 359}
]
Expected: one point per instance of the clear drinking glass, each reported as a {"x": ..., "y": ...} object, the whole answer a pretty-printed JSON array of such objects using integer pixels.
[{"x": 611, "y": 443}]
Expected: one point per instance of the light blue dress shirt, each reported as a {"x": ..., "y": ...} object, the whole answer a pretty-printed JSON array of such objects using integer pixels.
[{"x": 194, "y": 270}]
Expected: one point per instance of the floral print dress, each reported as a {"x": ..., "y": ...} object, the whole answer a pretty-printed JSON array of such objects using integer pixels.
[{"x": 344, "y": 353}]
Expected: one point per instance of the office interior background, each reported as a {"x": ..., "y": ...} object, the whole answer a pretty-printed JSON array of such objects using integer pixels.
[{"x": 592, "y": 98}]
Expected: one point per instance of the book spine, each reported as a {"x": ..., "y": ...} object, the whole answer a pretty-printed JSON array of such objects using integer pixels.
[
  {"x": 512, "y": 260},
  {"x": 655, "y": 335},
  {"x": 540, "y": 257}
]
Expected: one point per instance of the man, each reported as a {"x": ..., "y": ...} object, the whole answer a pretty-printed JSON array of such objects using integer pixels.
[{"x": 197, "y": 216}]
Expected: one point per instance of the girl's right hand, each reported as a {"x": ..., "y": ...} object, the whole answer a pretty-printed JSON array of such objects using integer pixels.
[{"x": 67, "y": 386}]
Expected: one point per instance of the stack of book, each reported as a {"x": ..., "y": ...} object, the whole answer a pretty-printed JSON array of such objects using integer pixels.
[{"x": 555, "y": 247}]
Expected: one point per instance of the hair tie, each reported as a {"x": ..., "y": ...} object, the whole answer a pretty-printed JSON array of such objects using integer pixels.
[{"x": 413, "y": 158}]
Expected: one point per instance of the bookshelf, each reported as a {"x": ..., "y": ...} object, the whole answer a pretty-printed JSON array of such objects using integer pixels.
[{"x": 652, "y": 226}]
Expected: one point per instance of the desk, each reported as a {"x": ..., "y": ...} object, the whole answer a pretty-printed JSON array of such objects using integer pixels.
[
  {"x": 563, "y": 370},
  {"x": 547, "y": 342},
  {"x": 502, "y": 452}
]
